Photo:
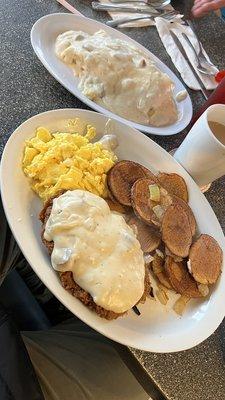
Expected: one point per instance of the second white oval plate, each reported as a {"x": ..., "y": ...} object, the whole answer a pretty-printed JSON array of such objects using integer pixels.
[
  {"x": 43, "y": 37},
  {"x": 158, "y": 329}
]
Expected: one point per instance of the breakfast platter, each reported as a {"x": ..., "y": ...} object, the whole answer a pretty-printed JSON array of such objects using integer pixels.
[
  {"x": 69, "y": 167},
  {"x": 131, "y": 84}
]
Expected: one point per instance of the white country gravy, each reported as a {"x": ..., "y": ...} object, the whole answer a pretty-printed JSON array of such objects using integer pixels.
[
  {"x": 98, "y": 247},
  {"x": 119, "y": 77}
]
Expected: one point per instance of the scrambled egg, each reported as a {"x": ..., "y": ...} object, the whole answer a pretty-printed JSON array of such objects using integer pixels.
[{"x": 66, "y": 161}]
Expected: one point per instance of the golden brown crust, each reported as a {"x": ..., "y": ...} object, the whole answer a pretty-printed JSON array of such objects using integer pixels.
[
  {"x": 69, "y": 284},
  {"x": 121, "y": 178},
  {"x": 176, "y": 231},
  {"x": 180, "y": 279},
  {"x": 174, "y": 184},
  {"x": 148, "y": 236},
  {"x": 205, "y": 260}
]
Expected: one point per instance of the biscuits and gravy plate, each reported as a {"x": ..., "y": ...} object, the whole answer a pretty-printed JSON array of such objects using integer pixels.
[{"x": 112, "y": 73}]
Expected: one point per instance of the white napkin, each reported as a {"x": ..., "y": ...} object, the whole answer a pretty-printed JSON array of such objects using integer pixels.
[
  {"x": 136, "y": 24},
  {"x": 163, "y": 28}
]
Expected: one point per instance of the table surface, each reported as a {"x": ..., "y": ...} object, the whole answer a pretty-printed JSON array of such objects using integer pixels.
[{"x": 28, "y": 89}]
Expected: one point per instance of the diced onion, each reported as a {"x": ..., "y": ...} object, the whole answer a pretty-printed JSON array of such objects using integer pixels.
[
  {"x": 180, "y": 304},
  {"x": 154, "y": 193},
  {"x": 159, "y": 253},
  {"x": 159, "y": 211},
  {"x": 189, "y": 265},
  {"x": 148, "y": 258},
  {"x": 203, "y": 289},
  {"x": 157, "y": 265},
  {"x": 162, "y": 296}
]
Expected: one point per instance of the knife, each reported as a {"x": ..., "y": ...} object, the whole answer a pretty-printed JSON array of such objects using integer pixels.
[
  {"x": 206, "y": 93},
  {"x": 126, "y": 8}
]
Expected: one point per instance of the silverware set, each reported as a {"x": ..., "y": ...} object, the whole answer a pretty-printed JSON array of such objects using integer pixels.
[
  {"x": 142, "y": 8},
  {"x": 150, "y": 10},
  {"x": 203, "y": 64},
  {"x": 119, "y": 21}
]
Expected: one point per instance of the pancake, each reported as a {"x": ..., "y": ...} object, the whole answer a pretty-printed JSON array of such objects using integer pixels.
[
  {"x": 189, "y": 212},
  {"x": 205, "y": 260},
  {"x": 180, "y": 279},
  {"x": 176, "y": 231},
  {"x": 115, "y": 206},
  {"x": 121, "y": 178},
  {"x": 148, "y": 236},
  {"x": 174, "y": 184},
  {"x": 142, "y": 204}
]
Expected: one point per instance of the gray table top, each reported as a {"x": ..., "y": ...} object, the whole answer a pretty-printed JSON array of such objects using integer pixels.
[{"x": 28, "y": 89}]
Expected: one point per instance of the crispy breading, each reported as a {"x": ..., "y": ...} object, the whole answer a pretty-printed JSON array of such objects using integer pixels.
[{"x": 67, "y": 277}]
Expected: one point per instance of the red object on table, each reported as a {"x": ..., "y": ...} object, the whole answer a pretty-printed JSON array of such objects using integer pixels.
[
  {"x": 220, "y": 75},
  {"x": 217, "y": 97}
]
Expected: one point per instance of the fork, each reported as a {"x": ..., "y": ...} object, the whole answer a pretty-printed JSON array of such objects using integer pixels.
[
  {"x": 201, "y": 57},
  {"x": 199, "y": 66},
  {"x": 119, "y": 21}
]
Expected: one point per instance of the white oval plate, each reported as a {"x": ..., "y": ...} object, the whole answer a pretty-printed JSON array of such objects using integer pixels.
[
  {"x": 158, "y": 329},
  {"x": 43, "y": 37}
]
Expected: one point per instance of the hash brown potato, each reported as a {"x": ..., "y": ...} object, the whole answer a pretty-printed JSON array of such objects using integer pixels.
[
  {"x": 180, "y": 279},
  {"x": 158, "y": 269}
]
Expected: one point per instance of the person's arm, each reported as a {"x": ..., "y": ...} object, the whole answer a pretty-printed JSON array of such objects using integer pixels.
[
  {"x": 17, "y": 377},
  {"x": 203, "y": 7}
]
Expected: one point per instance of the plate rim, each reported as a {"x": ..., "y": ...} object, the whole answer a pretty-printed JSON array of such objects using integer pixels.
[
  {"x": 151, "y": 130},
  {"x": 191, "y": 343}
]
